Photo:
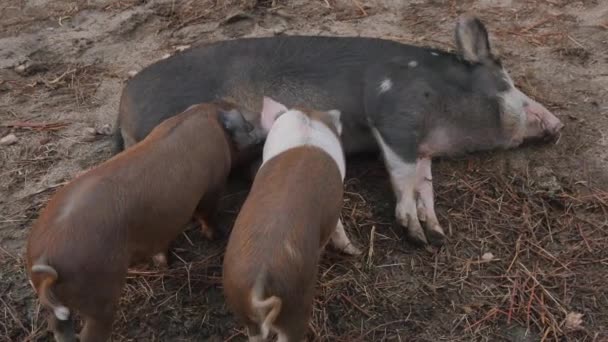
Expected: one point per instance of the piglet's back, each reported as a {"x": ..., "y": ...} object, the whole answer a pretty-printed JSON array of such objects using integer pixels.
[
  {"x": 138, "y": 185},
  {"x": 277, "y": 229}
]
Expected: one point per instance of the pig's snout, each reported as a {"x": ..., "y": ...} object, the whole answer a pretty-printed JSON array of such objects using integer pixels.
[{"x": 541, "y": 123}]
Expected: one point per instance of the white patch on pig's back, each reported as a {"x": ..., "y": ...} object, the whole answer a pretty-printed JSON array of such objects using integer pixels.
[
  {"x": 295, "y": 129},
  {"x": 385, "y": 85}
]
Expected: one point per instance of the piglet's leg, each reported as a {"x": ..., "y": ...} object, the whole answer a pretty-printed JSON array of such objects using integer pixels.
[
  {"x": 426, "y": 205},
  {"x": 206, "y": 214},
  {"x": 206, "y": 226},
  {"x": 403, "y": 179},
  {"x": 340, "y": 240},
  {"x": 63, "y": 330},
  {"x": 97, "y": 329},
  {"x": 254, "y": 334}
]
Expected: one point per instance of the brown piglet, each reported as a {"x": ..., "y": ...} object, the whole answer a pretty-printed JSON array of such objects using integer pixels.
[
  {"x": 128, "y": 209},
  {"x": 292, "y": 211}
]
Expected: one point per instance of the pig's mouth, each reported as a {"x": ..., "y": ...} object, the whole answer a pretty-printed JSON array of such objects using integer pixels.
[{"x": 548, "y": 126}]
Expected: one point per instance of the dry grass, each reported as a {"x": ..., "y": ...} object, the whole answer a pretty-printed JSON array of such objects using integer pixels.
[
  {"x": 522, "y": 257},
  {"x": 548, "y": 260},
  {"x": 189, "y": 12},
  {"x": 73, "y": 84}
]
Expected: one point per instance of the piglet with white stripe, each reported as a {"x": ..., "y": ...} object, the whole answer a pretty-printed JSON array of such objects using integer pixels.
[{"x": 292, "y": 211}]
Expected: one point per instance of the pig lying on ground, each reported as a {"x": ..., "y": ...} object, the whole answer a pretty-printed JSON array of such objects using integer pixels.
[
  {"x": 413, "y": 102},
  {"x": 127, "y": 209},
  {"x": 291, "y": 213}
]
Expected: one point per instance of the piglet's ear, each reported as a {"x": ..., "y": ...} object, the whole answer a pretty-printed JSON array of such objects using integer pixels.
[
  {"x": 232, "y": 120},
  {"x": 270, "y": 111},
  {"x": 472, "y": 39},
  {"x": 241, "y": 131},
  {"x": 335, "y": 114}
]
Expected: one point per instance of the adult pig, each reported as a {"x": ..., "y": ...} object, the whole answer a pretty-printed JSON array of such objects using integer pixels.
[{"x": 367, "y": 80}]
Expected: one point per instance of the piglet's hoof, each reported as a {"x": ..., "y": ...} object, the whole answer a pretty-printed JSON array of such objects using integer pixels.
[
  {"x": 208, "y": 232},
  {"x": 350, "y": 249},
  {"x": 160, "y": 260}
]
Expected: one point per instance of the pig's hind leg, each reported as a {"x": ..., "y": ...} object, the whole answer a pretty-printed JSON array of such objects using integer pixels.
[
  {"x": 341, "y": 242},
  {"x": 63, "y": 330},
  {"x": 425, "y": 203},
  {"x": 98, "y": 322},
  {"x": 97, "y": 329},
  {"x": 403, "y": 179}
]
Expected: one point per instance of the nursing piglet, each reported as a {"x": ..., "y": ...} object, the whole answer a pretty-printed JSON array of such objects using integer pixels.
[
  {"x": 127, "y": 209},
  {"x": 292, "y": 211}
]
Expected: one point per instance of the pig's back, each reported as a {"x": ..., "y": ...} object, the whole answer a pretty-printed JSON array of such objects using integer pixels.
[
  {"x": 294, "y": 199},
  {"x": 327, "y": 71}
]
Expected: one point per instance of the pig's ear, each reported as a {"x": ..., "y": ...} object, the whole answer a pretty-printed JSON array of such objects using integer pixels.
[
  {"x": 472, "y": 39},
  {"x": 270, "y": 111},
  {"x": 334, "y": 115}
]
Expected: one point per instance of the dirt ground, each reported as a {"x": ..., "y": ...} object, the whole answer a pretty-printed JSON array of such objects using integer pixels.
[{"x": 527, "y": 257}]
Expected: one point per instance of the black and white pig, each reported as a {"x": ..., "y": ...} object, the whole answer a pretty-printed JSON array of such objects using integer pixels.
[{"x": 412, "y": 102}]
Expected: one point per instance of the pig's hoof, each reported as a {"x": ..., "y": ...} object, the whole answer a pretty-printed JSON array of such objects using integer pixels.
[
  {"x": 416, "y": 236},
  {"x": 207, "y": 231},
  {"x": 208, "y": 234},
  {"x": 160, "y": 260},
  {"x": 435, "y": 237},
  {"x": 350, "y": 249}
]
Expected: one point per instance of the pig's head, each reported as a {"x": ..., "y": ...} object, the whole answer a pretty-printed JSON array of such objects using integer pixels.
[
  {"x": 521, "y": 118},
  {"x": 241, "y": 131}
]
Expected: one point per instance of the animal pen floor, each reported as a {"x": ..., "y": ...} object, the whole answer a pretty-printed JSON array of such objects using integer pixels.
[{"x": 528, "y": 228}]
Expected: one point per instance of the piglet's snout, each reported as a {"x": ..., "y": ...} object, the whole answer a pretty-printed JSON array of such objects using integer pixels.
[{"x": 550, "y": 125}]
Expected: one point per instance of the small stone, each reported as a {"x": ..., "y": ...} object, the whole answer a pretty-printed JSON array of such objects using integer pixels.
[
  {"x": 20, "y": 69},
  {"x": 8, "y": 140},
  {"x": 89, "y": 134},
  {"x": 573, "y": 321},
  {"x": 132, "y": 73},
  {"x": 545, "y": 179},
  {"x": 487, "y": 256},
  {"x": 165, "y": 56},
  {"x": 104, "y": 130},
  {"x": 181, "y": 48}
]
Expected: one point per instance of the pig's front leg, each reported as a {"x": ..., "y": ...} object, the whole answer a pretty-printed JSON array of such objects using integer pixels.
[
  {"x": 341, "y": 242},
  {"x": 426, "y": 205},
  {"x": 403, "y": 179}
]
